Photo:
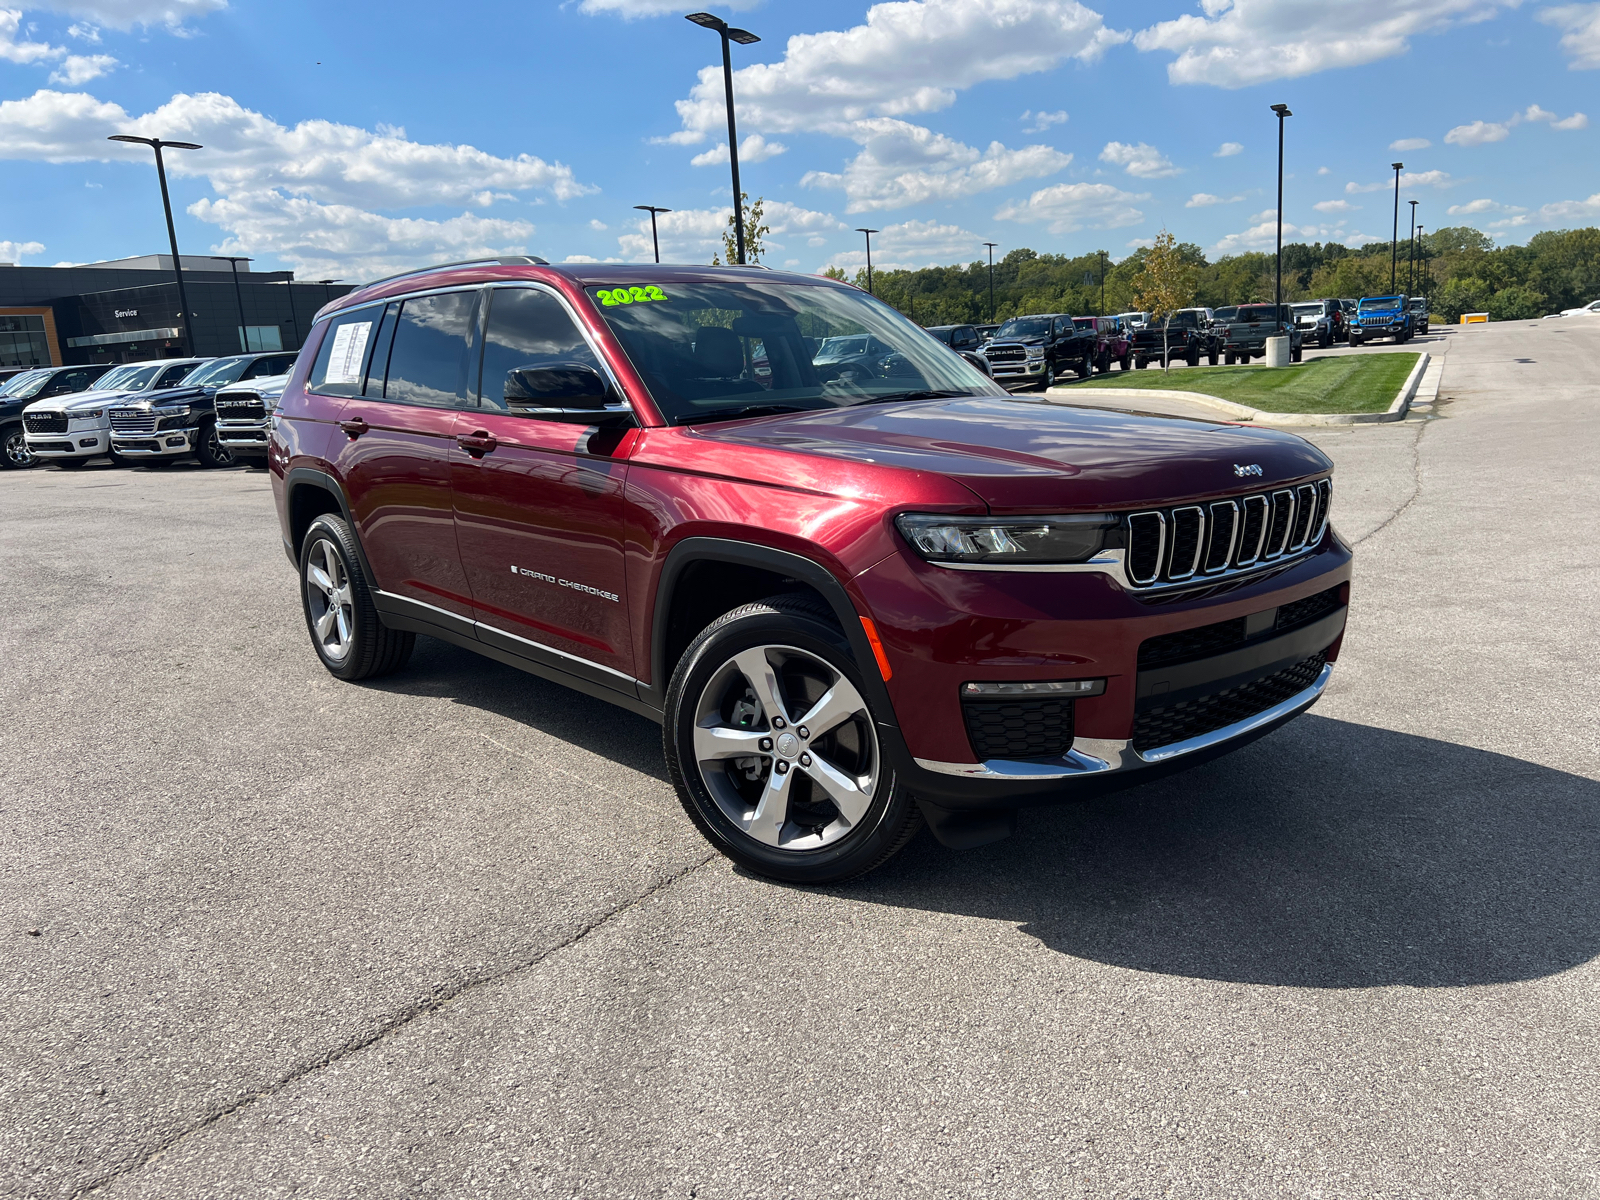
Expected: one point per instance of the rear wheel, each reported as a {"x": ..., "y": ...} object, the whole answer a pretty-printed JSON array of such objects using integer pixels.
[
  {"x": 14, "y": 452},
  {"x": 1138, "y": 364},
  {"x": 774, "y": 750},
  {"x": 1085, "y": 367},
  {"x": 1124, "y": 361},
  {"x": 1227, "y": 359},
  {"x": 1192, "y": 358},
  {"x": 346, "y": 632}
]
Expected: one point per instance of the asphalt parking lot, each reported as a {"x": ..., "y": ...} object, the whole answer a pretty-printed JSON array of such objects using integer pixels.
[{"x": 268, "y": 934}]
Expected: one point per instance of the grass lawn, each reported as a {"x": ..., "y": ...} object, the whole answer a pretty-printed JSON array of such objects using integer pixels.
[{"x": 1347, "y": 383}]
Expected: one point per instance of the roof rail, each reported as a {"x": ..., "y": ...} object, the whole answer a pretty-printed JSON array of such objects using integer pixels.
[{"x": 508, "y": 260}]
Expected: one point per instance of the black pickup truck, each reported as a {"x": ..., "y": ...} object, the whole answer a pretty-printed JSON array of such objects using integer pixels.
[
  {"x": 1028, "y": 352},
  {"x": 1245, "y": 336},
  {"x": 1185, "y": 335}
]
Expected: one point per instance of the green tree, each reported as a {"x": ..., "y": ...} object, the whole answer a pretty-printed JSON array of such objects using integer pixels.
[
  {"x": 754, "y": 247},
  {"x": 1166, "y": 284}
]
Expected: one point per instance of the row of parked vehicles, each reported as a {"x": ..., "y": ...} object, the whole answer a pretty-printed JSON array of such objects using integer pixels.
[
  {"x": 1039, "y": 350},
  {"x": 151, "y": 413}
]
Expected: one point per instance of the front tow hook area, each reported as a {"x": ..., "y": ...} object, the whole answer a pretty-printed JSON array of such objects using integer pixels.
[{"x": 968, "y": 830}]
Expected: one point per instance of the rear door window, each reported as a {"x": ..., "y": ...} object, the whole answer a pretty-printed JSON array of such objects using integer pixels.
[
  {"x": 428, "y": 361},
  {"x": 342, "y": 358},
  {"x": 527, "y": 328}
]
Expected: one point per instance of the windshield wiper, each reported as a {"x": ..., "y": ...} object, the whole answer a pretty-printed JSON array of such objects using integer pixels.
[
  {"x": 922, "y": 395},
  {"x": 748, "y": 410}
]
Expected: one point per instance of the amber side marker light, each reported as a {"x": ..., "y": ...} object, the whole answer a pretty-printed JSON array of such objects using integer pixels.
[{"x": 877, "y": 648}]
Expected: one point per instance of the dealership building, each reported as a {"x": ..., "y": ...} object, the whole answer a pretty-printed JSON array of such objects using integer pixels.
[{"x": 127, "y": 310}]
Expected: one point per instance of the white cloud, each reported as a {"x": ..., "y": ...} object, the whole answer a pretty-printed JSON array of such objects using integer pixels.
[
  {"x": 695, "y": 234},
  {"x": 1038, "y": 122},
  {"x": 901, "y": 163},
  {"x": 1206, "y": 200},
  {"x": 1571, "y": 210},
  {"x": 1408, "y": 179},
  {"x": 1475, "y": 207},
  {"x": 1141, "y": 161},
  {"x": 914, "y": 244},
  {"x": 15, "y": 252},
  {"x": 1324, "y": 170},
  {"x": 84, "y": 32},
  {"x": 1237, "y": 43},
  {"x": 1229, "y": 149},
  {"x": 1335, "y": 206},
  {"x": 1263, "y": 234},
  {"x": 598, "y": 225},
  {"x": 1580, "y": 38},
  {"x": 80, "y": 68},
  {"x": 1410, "y": 144},
  {"x": 1481, "y": 133},
  {"x": 752, "y": 149},
  {"x": 1071, "y": 206},
  {"x": 301, "y": 193},
  {"x": 125, "y": 14}
]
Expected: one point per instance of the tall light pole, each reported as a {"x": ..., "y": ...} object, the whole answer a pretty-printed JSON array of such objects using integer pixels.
[
  {"x": 1394, "y": 239},
  {"x": 1423, "y": 260},
  {"x": 745, "y": 38},
  {"x": 327, "y": 288},
  {"x": 1411, "y": 267},
  {"x": 1102, "y": 311},
  {"x": 157, "y": 144},
  {"x": 1277, "y": 313},
  {"x": 244, "y": 338},
  {"x": 869, "y": 233},
  {"x": 653, "y": 210},
  {"x": 991, "y": 246}
]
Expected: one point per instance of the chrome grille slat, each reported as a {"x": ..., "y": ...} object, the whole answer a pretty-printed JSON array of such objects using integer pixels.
[
  {"x": 132, "y": 420},
  {"x": 1190, "y": 542}
]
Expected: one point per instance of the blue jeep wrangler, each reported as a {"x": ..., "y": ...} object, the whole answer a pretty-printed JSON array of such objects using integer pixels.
[{"x": 1381, "y": 316}]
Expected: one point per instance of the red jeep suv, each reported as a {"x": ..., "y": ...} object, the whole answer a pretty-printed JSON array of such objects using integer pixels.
[{"x": 856, "y": 598}]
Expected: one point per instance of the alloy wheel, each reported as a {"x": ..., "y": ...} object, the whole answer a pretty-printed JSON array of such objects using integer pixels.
[
  {"x": 16, "y": 450},
  {"x": 329, "y": 599},
  {"x": 785, "y": 744},
  {"x": 216, "y": 452}
]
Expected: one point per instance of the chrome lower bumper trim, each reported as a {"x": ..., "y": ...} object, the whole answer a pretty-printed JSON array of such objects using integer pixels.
[{"x": 1096, "y": 756}]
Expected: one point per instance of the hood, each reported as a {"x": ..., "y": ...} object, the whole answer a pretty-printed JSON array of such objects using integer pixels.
[
  {"x": 1032, "y": 340},
  {"x": 269, "y": 387},
  {"x": 90, "y": 399},
  {"x": 1033, "y": 454},
  {"x": 174, "y": 395}
]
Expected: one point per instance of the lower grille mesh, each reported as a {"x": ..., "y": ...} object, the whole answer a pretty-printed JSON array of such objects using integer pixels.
[
  {"x": 1178, "y": 722},
  {"x": 1018, "y": 728}
]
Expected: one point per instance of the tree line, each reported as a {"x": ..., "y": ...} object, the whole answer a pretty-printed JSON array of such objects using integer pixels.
[{"x": 1458, "y": 269}]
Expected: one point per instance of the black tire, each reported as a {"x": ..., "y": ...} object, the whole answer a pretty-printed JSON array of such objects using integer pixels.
[
  {"x": 1211, "y": 358},
  {"x": 1138, "y": 364},
  {"x": 70, "y": 464},
  {"x": 211, "y": 453},
  {"x": 367, "y": 647},
  {"x": 1227, "y": 359},
  {"x": 1124, "y": 362},
  {"x": 1103, "y": 363},
  {"x": 14, "y": 452},
  {"x": 1355, "y": 339},
  {"x": 118, "y": 460},
  {"x": 802, "y": 632},
  {"x": 1325, "y": 339},
  {"x": 1049, "y": 375},
  {"x": 1192, "y": 357}
]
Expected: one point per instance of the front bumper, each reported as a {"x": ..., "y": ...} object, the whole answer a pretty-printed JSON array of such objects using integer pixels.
[
  {"x": 81, "y": 440},
  {"x": 1018, "y": 374},
  {"x": 1385, "y": 329},
  {"x": 163, "y": 443},
  {"x": 245, "y": 437}
]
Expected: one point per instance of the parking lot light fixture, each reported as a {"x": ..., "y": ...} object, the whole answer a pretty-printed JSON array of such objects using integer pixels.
[
  {"x": 869, "y": 233},
  {"x": 745, "y": 38},
  {"x": 238, "y": 296},
  {"x": 158, "y": 145},
  {"x": 991, "y": 246},
  {"x": 1277, "y": 313},
  {"x": 1411, "y": 267},
  {"x": 1394, "y": 238},
  {"x": 653, "y": 210}
]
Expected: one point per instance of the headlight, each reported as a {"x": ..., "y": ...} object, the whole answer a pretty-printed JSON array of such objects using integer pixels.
[
  {"x": 1064, "y": 539},
  {"x": 1035, "y": 351},
  {"x": 86, "y": 415},
  {"x": 172, "y": 410}
]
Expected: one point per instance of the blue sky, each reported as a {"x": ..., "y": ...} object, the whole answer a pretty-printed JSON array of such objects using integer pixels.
[{"x": 343, "y": 141}]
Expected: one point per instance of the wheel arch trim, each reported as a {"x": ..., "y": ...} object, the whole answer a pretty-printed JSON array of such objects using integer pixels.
[{"x": 299, "y": 478}]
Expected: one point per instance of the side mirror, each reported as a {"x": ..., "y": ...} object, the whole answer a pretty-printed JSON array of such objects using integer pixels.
[
  {"x": 559, "y": 385},
  {"x": 978, "y": 361}
]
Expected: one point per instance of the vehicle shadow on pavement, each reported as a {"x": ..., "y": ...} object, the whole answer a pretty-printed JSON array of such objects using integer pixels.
[
  {"x": 439, "y": 669},
  {"x": 1329, "y": 854}
]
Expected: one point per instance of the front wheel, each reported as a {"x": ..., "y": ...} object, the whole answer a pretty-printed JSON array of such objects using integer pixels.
[
  {"x": 1211, "y": 358},
  {"x": 1138, "y": 364},
  {"x": 1124, "y": 361},
  {"x": 16, "y": 455},
  {"x": 209, "y": 450},
  {"x": 1355, "y": 339},
  {"x": 774, "y": 751},
  {"x": 1192, "y": 358},
  {"x": 346, "y": 632}
]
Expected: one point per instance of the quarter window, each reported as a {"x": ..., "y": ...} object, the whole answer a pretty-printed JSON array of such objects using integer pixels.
[
  {"x": 427, "y": 363},
  {"x": 342, "y": 358},
  {"x": 174, "y": 375},
  {"x": 527, "y": 328}
]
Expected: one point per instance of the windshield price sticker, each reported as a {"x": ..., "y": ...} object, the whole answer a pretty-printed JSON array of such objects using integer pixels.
[
  {"x": 349, "y": 352},
  {"x": 629, "y": 295}
]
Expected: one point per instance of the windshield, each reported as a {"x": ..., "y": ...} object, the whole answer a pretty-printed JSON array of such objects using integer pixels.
[
  {"x": 1307, "y": 310},
  {"x": 1380, "y": 302},
  {"x": 714, "y": 351},
  {"x": 945, "y": 335},
  {"x": 1254, "y": 312},
  {"x": 1021, "y": 327},
  {"x": 127, "y": 379},
  {"x": 25, "y": 384},
  {"x": 224, "y": 370},
  {"x": 1182, "y": 320}
]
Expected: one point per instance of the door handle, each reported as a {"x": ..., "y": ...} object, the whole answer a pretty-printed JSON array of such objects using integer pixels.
[
  {"x": 355, "y": 427},
  {"x": 478, "y": 443}
]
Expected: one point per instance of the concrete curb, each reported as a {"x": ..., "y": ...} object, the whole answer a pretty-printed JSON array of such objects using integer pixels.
[{"x": 1395, "y": 412}]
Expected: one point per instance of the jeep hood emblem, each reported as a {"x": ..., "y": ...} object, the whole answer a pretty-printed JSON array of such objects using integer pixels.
[{"x": 1243, "y": 469}]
